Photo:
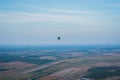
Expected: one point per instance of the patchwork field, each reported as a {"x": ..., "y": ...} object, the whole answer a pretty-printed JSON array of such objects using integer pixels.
[{"x": 61, "y": 63}]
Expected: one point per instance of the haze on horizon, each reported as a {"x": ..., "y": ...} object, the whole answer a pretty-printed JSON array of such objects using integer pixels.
[{"x": 75, "y": 21}]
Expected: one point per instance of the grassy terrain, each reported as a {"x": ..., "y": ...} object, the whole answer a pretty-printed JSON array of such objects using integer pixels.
[
  {"x": 103, "y": 72},
  {"x": 28, "y": 59},
  {"x": 37, "y": 64},
  {"x": 74, "y": 68}
]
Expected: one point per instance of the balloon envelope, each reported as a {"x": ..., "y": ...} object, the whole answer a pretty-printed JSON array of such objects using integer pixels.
[{"x": 58, "y": 38}]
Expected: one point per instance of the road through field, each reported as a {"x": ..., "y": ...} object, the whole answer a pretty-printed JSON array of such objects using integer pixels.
[{"x": 41, "y": 67}]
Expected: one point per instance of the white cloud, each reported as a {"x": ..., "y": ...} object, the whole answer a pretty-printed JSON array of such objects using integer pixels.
[
  {"x": 75, "y": 12},
  {"x": 79, "y": 17},
  {"x": 115, "y": 5},
  {"x": 51, "y": 15},
  {"x": 37, "y": 17},
  {"x": 53, "y": 10}
]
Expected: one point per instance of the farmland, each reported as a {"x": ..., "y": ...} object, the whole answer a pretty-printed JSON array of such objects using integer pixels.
[{"x": 59, "y": 62}]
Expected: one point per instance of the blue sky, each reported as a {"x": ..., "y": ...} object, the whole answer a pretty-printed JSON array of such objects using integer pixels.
[{"x": 76, "y": 21}]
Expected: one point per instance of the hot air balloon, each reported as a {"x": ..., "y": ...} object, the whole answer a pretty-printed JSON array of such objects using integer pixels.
[{"x": 58, "y": 38}]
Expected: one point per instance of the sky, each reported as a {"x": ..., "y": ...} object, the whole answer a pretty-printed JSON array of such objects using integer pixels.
[{"x": 36, "y": 22}]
